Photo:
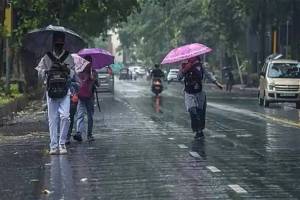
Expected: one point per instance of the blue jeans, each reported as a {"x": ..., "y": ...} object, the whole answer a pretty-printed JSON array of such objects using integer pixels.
[{"x": 85, "y": 106}]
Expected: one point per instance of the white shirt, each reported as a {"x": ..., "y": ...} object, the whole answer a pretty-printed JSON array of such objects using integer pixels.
[{"x": 46, "y": 63}]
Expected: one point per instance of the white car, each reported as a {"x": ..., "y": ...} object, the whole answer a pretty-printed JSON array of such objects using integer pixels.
[
  {"x": 140, "y": 71},
  {"x": 172, "y": 75}
]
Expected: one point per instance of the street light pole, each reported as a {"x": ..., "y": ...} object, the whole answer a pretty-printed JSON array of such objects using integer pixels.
[
  {"x": 287, "y": 39},
  {"x": 8, "y": 32}
]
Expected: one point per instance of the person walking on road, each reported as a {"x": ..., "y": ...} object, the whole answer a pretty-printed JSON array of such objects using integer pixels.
[
  {"x": 229, "y": 79},
  {"x": 88, "y": 81},
  {"x": 57, "y": 69},
  {"x": 193, "y": 73}
]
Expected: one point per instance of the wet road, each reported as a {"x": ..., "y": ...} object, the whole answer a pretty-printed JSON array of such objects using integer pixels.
[{"x": 144, "y": 149}]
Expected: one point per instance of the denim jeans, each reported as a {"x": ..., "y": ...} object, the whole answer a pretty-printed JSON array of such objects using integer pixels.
[{"x": 85, "y": 106}]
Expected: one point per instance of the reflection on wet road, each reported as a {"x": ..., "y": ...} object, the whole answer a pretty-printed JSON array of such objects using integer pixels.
[
  {"x": 255, "y": 147},
  {"x": 144, "y": 149}
]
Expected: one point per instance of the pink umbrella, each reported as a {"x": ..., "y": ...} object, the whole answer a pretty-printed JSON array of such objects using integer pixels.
[
  {"x": 185, "y": 52},
  {"x": 100, "y": 57}
]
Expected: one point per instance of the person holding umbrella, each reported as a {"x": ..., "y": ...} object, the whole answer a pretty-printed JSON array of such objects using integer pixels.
[
  {"x": 193, "y": 72},
  {"x": 88, "y": 81},
  {"x": 57, "y": 69}
]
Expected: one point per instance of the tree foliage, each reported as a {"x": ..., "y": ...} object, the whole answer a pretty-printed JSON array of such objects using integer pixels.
[{"x": 233, "y": 28}]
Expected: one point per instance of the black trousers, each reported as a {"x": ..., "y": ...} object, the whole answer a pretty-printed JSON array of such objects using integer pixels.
[
  {"x": 73, "y": 110},
  {"x": 198, "y": 117}
]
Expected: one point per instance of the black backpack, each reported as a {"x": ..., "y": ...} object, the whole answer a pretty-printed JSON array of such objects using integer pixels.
[{"x": 58, "y": 77}]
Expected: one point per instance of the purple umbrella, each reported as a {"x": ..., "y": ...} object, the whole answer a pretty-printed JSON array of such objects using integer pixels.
[
  {"x": 101, "y": 57},
  {"x": 185, "y": 52}
]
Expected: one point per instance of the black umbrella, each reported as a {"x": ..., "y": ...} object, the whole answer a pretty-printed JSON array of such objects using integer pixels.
[{"x": 39, "y": 41}]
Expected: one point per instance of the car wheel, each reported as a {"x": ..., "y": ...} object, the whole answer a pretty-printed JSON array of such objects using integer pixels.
[{"x": 297, "y": 105}]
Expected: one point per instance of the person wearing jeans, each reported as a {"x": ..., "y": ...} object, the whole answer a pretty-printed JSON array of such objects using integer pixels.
[
  {"x": 58, "y": 106},
  {"x": 85, "y": 106},
  {"x": 87, "y": 80}
]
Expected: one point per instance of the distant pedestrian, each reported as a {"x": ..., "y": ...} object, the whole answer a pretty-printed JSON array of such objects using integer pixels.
[
  {"x": 88, "y": 81},
  {"x": 193, "y": 73},
  {"x": 57, "y": 69},
  {"x": 229, "y": 79}
]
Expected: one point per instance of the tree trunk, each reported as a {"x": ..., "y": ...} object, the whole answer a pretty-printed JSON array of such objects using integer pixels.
[
  {"x": 1, "y": 39},
  {"x": 295, "y": 45},
  {"x": 262, "y": 31}
]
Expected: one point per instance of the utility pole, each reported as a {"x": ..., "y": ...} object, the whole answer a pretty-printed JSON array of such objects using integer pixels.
[
  {"x": 8, "y": 32},
  {"x": 287, "y": 39}
]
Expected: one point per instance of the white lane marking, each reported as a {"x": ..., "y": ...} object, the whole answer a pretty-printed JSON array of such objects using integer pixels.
[
  {"x": 163, "y": 133},
  {"x": 218, "y": 136},
  {"x": 244, "y": 135},
  {"x": 230, "y": 130},
  {"x": 238, "y": 189},
  {"x": 194, "y": 154},
  {"x": 213, "y": 169},
  {"x": 182, "y": 146},
  {"x": 171, "y": 138}
]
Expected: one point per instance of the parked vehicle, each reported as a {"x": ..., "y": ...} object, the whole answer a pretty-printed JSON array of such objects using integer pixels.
[
  {"x": 279, "y": 82},
  {"x": 125, "y": 74},
  {"x": 157, "y": 86},
  {"x": 172, "y": 75},
  {"x": 139, "y": 70},
  {"x": 105, "y": 80}
]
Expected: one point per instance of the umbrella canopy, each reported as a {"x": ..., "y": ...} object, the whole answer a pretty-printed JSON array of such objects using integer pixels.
[
  {"x": 40, "y": 41},
  {"x": 80, "y": 63},
  {"x": 100, "y": 57},
  {"x": 185, "y": 52}
]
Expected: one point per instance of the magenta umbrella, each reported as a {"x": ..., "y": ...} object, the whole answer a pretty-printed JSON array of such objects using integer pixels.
[
  {"x": 100, "y": 57},
  {"x": 185, "y": 52}
]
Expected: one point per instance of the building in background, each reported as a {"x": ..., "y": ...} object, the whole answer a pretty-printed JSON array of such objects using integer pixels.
[{"x": 114, "y": 45}]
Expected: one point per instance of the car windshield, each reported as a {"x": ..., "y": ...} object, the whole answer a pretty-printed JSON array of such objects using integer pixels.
[{"x": 284, "y": 70}]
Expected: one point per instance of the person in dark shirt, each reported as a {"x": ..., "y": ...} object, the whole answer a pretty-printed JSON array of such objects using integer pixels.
[
  {"x": 193, "y": 73},
  {"x": 157, "y": 72}
]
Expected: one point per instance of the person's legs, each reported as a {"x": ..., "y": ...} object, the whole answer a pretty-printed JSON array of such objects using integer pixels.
[
  {"x": 202, "y": 115},
  {"x": 194, "y": 118},
  {"x": 90, "y": 113},
  {"x": 73, "y": 109},
  {"x": 53, "y": 106},
  {"x": 81, "y": 109},
  {"x": 64, "y": 112}
]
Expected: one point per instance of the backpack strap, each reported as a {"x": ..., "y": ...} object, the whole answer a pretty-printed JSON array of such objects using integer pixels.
[
  {"x": 52, "y": 57},
  {"x": 61, "y": 59},
  {"x": 64, "y": 56}
]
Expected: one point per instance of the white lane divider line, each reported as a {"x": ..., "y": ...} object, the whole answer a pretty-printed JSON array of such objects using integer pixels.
[
  {"x": 244, "y": 135},
  {"x": 213, "y": 169},
  {"x": 218, "y": 136},
  {"x": 171, "y": 138},
  {"x": 238, "y": 189},
  {"x": 194, "y": 154},
  {"x": 182, "y": 146},
  {"x": 163, "y": 133}
]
